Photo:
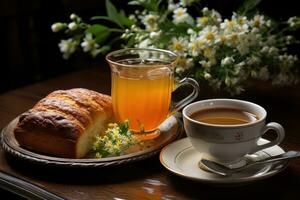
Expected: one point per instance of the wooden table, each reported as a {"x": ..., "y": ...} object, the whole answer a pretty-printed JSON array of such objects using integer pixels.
[{"x": 148, "y": 179}]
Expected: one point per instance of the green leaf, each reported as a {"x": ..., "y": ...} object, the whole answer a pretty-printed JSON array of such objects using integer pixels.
[
  {"x": 112, "y": 12},
  {"x": 115, "y": 16},
  {"x": 150, "y": 5},
  {"x": 131, "y": 42},
  {"x": 97, "y": 29},
  {"x": 124, "y": 127},
  {"x": 100, "y": 32},
  {"x": 248, "y": 5},
  {"x": 125, "y": 20},
  {"x": 102, "y": 37}
]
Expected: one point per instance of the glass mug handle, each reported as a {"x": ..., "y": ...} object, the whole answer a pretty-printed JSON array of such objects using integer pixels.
[{"x": 180, "y": 104}]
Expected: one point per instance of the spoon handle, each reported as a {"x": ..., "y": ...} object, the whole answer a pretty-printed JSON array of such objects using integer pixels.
[{"x": 285, "y": 156}]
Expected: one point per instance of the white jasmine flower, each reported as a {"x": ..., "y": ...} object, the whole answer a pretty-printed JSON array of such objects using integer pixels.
[
  {"x": 205, "y": 11},
  {"x": 258, "y": 21},
  {"x": 255, "y": 30},
  {"x": 73, "y": 16},
  {"x": 171, "y": 5},
  {"x": 254, "y": 60},
  {"x": 185, "y": 63},
  {"x": 89, "y": 43},
  {"x": 155, "y": 35},
  {"x": 67, "y": 47},
  {"x": 210, "y": 53},
  {"x": 293, "y": 21},
  {"x": 242, "y": 43},
  {"x": 264, "y": 74},
  {"x": 238, "y": 89},
  {"x": 202, "y": 21},
  {"x": 227, "y": 81},
  {"x": 227, "y": 61},
  {"x": 179, "y": 45},
  {"x": 273, "y": 51},
  {"x": 132, "y": 17},
  {"x": 205, "y": 64},
  {"x": 196, "y": 44},
  {"x": 209, "y": 34},
  {"x": 180, "y": 15},
  {"x": 191, "y": 31},
  {"x": 241, "y": 64},
  {"x": 228, "y": 25},
  {"x": 216, "y": 17},
  {"x": 150, "y": 22},
  {"x": 289, "y": 39},
  {"x": 207, "y": 75},
  {"x": 221, "y": 39},
  {"x": 185, "y": 3},
  {"x": 72, "y": 26},
  {"x": 265, "y": 49},
  {"x": 179, "y": 69},
  {"x": 144, "y": 44},
  {"x": 56, "y": 27}
]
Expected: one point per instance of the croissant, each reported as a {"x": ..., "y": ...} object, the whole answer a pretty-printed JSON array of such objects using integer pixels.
[{"x": 65, "y": 122}]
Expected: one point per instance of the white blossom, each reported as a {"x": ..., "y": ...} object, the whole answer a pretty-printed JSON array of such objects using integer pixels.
[
  {"x": 179, "y": 45},
  {"x": 145, "y": 44},
  {"x": 293, "y": 22},
  {"x": 263, "y": 73},
  {"x": 207, "y": 75},
  {"x": 89, "y": 44},
  {"x": 205, "y": 64},
  {"x": 150, "y": 22},
  {"x": 56, "y": 27},
  {"x": 73, "y": 16},
  {"x": 155, "y": 35},
  {"x": 67, "y": 47},
  {"x": 72, "y": 26},
  {"x": 205, "y": 11},
  {"x": 180, "y": 15},
  {"x": 227, "y": 61},
  {"x": 171, "y": 5},
  {"x": 209, "y": 34},
  {"x": 258, "y": 21}
]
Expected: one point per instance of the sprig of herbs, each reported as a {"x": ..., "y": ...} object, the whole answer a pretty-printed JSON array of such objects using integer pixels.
[{"x": 115, "y": 142}]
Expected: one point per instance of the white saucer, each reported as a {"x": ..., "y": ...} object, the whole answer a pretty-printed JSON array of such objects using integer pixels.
[{"x": 182, "y": 159}]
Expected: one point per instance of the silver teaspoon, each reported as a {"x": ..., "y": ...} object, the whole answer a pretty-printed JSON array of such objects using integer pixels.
[{"x": 226, "y": 171}]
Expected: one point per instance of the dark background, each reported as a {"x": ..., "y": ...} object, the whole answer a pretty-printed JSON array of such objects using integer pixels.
[{"x": 29, "y": 51}]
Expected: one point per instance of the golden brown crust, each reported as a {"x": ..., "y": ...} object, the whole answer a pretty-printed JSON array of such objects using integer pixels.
[{"x": 62, "y": 115}]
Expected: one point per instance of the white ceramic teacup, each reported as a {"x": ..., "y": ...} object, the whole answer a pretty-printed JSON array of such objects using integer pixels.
[{"x": 227, "y": 144}]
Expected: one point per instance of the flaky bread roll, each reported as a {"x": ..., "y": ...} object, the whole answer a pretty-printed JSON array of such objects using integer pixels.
[{"x": 65, "y": 122}]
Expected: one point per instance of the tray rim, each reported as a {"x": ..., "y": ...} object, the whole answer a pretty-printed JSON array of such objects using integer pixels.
[{"x": 24, "y": 154}]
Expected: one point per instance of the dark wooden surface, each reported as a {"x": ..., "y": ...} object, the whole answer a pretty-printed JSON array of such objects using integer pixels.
[{"x": 149, "y": 179}]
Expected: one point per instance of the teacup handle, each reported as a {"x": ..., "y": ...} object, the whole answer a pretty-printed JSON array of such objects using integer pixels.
[
  {"x": 280, "y": 135},
  {"x": 180, "y": 104}
]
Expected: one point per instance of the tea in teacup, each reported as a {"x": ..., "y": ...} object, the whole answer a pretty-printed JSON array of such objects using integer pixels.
[{"x": 224, "y": 116}]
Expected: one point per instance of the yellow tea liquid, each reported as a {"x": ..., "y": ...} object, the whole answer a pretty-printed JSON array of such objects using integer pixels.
[{"x": 142, "y": 95}]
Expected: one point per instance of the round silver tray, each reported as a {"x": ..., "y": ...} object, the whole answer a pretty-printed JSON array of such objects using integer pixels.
[{"x": 170, "y": 129}]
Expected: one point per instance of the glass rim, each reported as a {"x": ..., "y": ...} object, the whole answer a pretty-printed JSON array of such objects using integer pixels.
[{"x": 107, "y": 57}]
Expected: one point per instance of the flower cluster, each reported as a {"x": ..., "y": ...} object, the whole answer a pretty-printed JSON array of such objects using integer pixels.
[
  {"x": 115, "y": 142},
  {"x": 224, "y": 53}
]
